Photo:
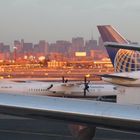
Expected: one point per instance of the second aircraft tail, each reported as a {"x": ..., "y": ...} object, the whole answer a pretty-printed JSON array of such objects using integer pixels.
[{"x": 110, "y": 34}]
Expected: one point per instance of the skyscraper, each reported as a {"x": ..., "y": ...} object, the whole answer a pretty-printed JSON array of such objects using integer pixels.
[
  {"x": 77, "y": 44},
  {"x": 91, "y": 45}
]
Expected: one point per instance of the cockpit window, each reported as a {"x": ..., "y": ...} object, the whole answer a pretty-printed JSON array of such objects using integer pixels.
[{"x": 50, "y": 86}]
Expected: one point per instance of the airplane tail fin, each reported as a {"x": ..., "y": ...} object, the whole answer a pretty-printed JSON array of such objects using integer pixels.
[{"x": 110, "y": 34}]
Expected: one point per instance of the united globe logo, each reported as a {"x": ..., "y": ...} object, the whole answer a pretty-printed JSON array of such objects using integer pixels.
[{"x": 127, "y": 60}]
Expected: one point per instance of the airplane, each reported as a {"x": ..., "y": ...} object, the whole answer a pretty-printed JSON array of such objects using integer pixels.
[
  {"x": 129, "y": 82},
  {"x": 123, "y": 60},
  {"x": 59, "y": 89}
]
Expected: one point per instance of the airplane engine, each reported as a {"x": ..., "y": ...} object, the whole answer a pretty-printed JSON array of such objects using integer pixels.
[{"x": 82, "y": 132}]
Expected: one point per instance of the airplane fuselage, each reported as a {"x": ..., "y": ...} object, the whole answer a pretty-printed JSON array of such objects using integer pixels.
[
  {"x": 56, "y": 89},
  {"x": 26, "y": 88}
]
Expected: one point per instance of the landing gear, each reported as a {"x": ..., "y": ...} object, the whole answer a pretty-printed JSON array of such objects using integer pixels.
[
  {"x": 82, "y": 132},
  {"x": 86, "y": 86}
]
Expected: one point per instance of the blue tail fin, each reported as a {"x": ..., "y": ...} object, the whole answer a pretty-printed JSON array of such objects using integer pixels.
[{"x": 109, "y": 34}]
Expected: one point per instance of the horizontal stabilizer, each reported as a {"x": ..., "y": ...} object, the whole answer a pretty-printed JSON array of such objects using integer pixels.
[
  {"x": 122, "y": 46},
  {"x": 118, "y": 77}
]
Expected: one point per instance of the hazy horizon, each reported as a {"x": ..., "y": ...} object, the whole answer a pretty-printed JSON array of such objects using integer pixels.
[{"x": 51, "y": 20}]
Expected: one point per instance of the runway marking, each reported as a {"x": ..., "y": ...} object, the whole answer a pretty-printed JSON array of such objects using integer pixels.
[{"x": 35, "y": 133}]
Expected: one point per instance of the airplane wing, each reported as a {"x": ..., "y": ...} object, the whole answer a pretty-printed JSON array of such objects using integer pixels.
[
  {"x": 122, "y": 46},
  {"x": 118, "y": 77},
  {"x": 102, "y": 114}
]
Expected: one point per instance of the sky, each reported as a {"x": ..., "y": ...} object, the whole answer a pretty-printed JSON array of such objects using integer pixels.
[{"x": 52, "y": 20}]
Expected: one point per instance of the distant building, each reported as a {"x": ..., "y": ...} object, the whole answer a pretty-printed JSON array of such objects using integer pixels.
[
  {"x": 17, "y": 46},
  {"x": 40, "y": 49},
  {"x": 77, "y": 44},
  {"x": 91, "y": 45},
  {"x": 43, "y": 47},
  {"x": 56, "y": 64},
  {"x": 6, "y": 48},
  {"x": 61, "y": 47},
  {"x": 1, "y": 47},
  {"x": 36, "y": 49},
  {"x": 5, "y": 51},
  {"x": 99, "y": 54},
  {"x": 52, "y": 48},
  {"x": 27, "y": 48}
]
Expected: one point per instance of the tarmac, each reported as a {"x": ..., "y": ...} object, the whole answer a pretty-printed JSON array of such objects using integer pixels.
[{"x": 14, "y": 128}]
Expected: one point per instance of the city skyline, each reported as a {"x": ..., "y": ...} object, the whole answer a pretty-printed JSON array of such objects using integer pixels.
[
  {"x": 51, "y": 20},
  {"x": 60, "y": 49},
  {"x": 11, "y": 44}
]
